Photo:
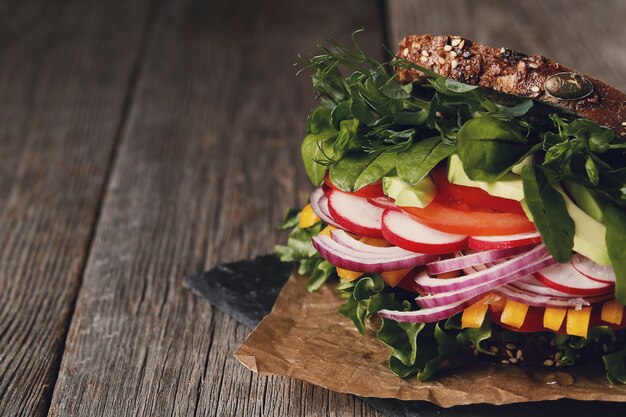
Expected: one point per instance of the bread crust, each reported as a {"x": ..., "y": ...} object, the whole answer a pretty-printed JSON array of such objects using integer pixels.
[{"x": 509, "y": 72}]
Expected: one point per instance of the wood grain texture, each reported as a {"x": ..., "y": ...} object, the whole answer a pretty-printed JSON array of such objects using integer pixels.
[
  {"x": 64, "y": 73},
  {"x": 206, "y": 168},
  {"x": 585, "y": 35}
]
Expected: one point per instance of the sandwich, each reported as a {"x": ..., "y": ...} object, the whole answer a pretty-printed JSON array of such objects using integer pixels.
[{"x": 470, "y": 200}]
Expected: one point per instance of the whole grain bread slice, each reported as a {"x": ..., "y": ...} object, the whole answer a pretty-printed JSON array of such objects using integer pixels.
[{"x": 510, "y": 72}]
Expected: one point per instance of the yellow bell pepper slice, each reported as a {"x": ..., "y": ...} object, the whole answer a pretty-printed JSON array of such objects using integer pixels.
[
  {"x": 553, "y": 318},
  {"x": 326, "y": 231},
  {"x": 375, "y": 242},
  {"x": 578, "y": 321},
  {"x": 612, "y": 312},
  {"x": 514, "y": 313},
  {"x": 474, "y": 315},
  {"x": 393, "y": 278},
  {"x": 308, "y": 217},
  {"x": 347, "y": 274}
]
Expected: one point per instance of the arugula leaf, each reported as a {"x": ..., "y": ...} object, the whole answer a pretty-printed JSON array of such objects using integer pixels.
[
  {"x": 615, "y": 221},
  {"x": 321, "y": 272},
  {"x": 549, "y": 214},
  {"x": 345, "y": 172},
  {"x": 378, "y": 168}
]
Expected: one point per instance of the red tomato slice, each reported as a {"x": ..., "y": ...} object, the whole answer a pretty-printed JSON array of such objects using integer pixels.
[
  {"x": 470, "y": 223},
  {"x": 471, "y": 195},
  {"x": 369, "y": 191}
]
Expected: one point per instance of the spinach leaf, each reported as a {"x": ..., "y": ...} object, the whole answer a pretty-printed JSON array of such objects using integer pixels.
[
  {"x": 489, "y": 147},
  {"x": 346, "y": 139},
  {"x": 315, "y": 149},
  {"x": 615, "y": 221},
  {"x": 345, "y": 173},
  {"x": 408, "y": 162},
  {"x": 549, "y": 214},
  {"x": 379, "y": 167},
  {"x": 441, "y": 152}
]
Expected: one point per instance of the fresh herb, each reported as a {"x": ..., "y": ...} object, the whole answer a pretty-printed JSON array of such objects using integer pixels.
[
  {"x": 371, "y": 112},
  {"x": 549, "y": 214},
  {"x": 586, "y": 153}
]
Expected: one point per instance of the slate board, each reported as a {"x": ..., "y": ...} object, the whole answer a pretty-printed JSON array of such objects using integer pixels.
[{"x": 247, "y": 290}]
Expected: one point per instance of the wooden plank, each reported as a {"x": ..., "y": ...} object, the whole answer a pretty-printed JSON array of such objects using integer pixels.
[
  {"x": 577, "y": 33},
  {"x": 64, "y": 74},
  {"x": 207, "y": 166}
]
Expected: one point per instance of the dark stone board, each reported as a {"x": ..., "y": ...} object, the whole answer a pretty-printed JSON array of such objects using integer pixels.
[{"x": 247, "y": 290}]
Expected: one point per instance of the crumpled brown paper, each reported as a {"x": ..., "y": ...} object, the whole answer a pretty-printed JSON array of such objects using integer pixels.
[{"x": 306, "y": 338}]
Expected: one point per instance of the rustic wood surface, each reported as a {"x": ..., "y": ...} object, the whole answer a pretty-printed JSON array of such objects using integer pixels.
[{"x": 142, "y": 141}]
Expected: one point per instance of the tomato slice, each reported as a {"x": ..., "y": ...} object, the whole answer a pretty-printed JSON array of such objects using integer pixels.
[
  {"x": 369, "y": 191},
  {"x": 471, "y": 195},
  {"x": 470, "y": 223}
]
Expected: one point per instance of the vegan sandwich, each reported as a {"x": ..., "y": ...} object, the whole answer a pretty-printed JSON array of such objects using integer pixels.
[{"x": 470, "y": 200}]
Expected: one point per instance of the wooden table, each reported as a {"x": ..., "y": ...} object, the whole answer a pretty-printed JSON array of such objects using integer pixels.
[{"x": 145, "y": 140}]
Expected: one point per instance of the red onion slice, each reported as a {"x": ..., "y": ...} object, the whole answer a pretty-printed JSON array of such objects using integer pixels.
[
  {"x": 495, "y": 280},
  {"x": 426, "y": 315},
  {"x": 344, "y": 239},
  {"x": 434, "y": 285},
  {"x": 477, "y": 258},
  {"x": 347, "y": 258}
]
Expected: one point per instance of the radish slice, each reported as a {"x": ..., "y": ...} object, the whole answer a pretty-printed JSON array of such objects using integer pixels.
[
  {"x": 480, "y": 289},
  {"x": 535, "y": 300},
  {"x": 383, "y": 202},
  {"x": 478, "y": 258},
  {"x": 347, "y": 258},
  {"x": 425, "y": 315},
  {"x": 344, "y": 239},
  {"x": 564, "y": 277},
  {"x": 319, "y": 204},
  {"x": 434, "y": 285},
  {"x": 355, "y": 214},
  {"x": 402, "y": 230},
  {"x": 531, "y": 285},
  {"x": 590, "y": 269},
  {"x": 503, "y": 242}
]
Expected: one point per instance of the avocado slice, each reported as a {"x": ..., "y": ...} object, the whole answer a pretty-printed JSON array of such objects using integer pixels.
[
  {"x": 509, "y": 186},
  {"x": 419, "y": 195},
  {"x": 589, "y": 238},
  {"x": 585, "y": 199}
]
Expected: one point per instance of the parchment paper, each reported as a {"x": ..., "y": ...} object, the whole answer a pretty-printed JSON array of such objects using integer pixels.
[{"x": 306, "y": 338}]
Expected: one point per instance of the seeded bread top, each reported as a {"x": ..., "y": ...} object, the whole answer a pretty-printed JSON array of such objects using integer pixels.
[{"x": 511, "y": 72}]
